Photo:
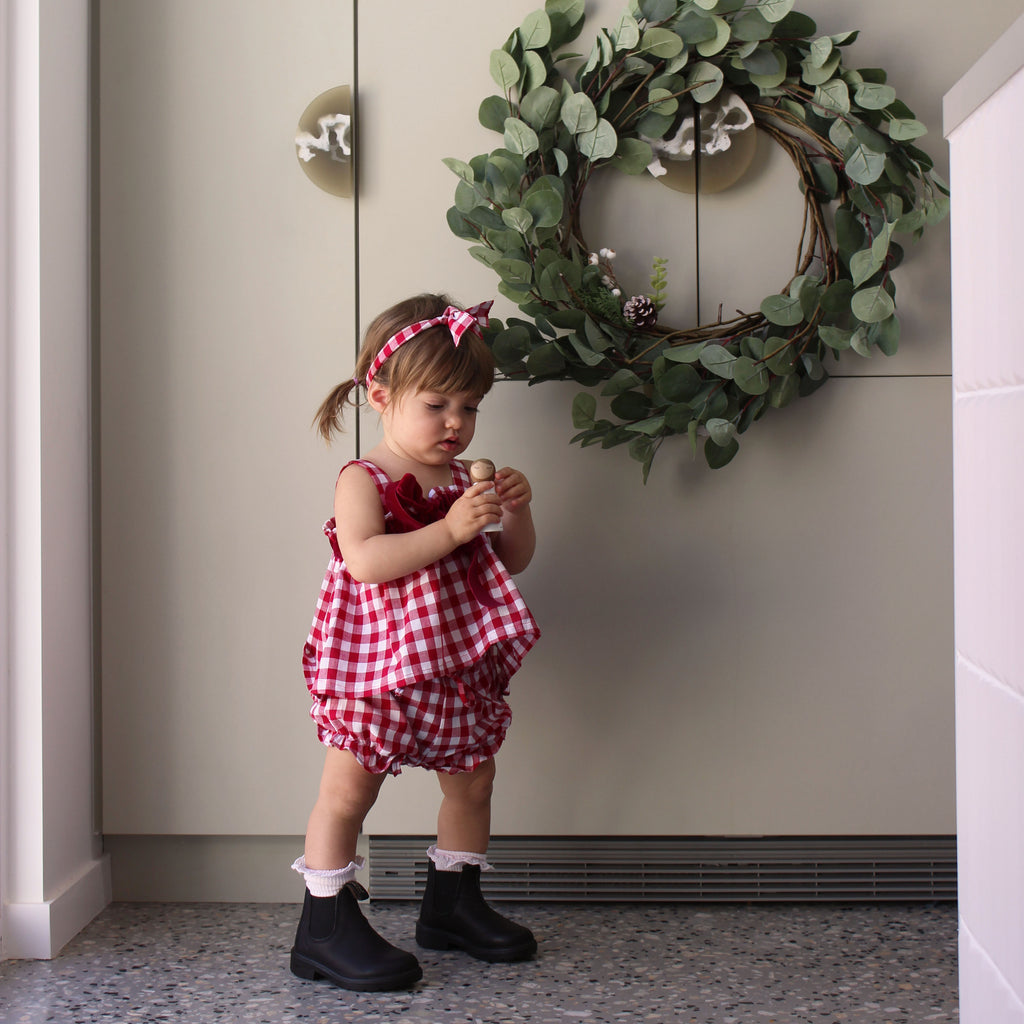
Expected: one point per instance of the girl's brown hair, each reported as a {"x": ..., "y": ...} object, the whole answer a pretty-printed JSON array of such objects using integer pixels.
[{"x": 428, "y": 362}]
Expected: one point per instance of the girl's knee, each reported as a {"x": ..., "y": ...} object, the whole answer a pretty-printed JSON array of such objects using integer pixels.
[
  {"x": 474, "y": 787},
  {"x": 346, "y": 789}
]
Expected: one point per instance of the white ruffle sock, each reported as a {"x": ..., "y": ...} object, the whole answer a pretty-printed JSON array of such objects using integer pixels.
[
  {"x": 455, "y": 860},
  {"x": 327, "y": 881}
]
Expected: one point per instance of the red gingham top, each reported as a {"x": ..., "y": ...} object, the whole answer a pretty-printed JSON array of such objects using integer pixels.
[{"x": 369, "y": 638}]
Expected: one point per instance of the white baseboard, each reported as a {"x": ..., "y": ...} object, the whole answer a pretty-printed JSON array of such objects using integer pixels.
[{"x": 39, "y": 931}]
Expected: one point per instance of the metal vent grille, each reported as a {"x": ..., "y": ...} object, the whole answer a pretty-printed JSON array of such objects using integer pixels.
[{"x": 669, "y": 870}]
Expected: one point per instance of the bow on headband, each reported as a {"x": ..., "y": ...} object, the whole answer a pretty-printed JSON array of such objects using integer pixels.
[{"x": 457, "y": 320}]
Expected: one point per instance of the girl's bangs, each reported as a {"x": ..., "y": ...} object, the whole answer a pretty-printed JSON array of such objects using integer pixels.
[{"x": 430, "y": 362}]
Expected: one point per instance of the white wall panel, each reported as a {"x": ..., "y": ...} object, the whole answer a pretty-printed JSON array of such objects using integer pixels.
[
  {"x": 227, "y": 312},
  {"x": 988, "y": 418}
]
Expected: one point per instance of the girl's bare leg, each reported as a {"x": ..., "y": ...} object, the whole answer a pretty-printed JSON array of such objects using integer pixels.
[
  {"x": 464, "y": 820},
  {"x": 347, "y": 792}
]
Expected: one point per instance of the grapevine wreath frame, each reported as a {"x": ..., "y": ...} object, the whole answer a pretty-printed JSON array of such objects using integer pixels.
[{"x": 851, "y": 141}]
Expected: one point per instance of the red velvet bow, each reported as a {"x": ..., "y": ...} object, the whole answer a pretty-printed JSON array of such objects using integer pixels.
[{"x": 410, "y": 510}]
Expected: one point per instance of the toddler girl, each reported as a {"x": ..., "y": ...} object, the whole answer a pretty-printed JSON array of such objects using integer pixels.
[{"x": 417, "y": 632}]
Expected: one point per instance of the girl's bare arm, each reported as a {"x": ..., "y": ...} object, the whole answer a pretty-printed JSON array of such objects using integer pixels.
[
  {"x": 373, "y": 556},
  {"x": 517, "y": 541}
]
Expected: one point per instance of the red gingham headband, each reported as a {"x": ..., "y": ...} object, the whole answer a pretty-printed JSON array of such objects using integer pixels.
[{"x": 457, "y": 320}]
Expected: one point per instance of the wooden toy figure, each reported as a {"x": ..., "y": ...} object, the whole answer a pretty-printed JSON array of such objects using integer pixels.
[{"x": 479, "y": 471}]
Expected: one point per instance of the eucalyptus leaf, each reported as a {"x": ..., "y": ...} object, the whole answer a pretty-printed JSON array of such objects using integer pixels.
[
  {"x": 545, "y": 361},
  {"x": 864, "y": 265},
  {"x": 517, "y": 218},
  {"x": 693, "y": 26},
  {"x": 657, "y": 10},
  {"x": 596, "y": 337},
  {"x": 511, "y": 346},
  {"x": 651, "y": 426},
  {"x": 520, "y": 137},
  {"x": 872, "y": 96},
  {"x": 751, "y": 25},
  {"x": 493, "y": 111},
  {"x": 459, "y": 226},
  {"x": 886, "y": 335},
  {"x": 709, "y": 47},
  {"x": 535, "y": 72},
  {"x": 627, "y": 32},
  {"x": 467, "y": 197},
  {"x": 579, "y": 113},
  {"x": 631, "y": 405},
  {"x": 775, "y": 10},
  {"x": 840, "y": 133},
  {"x": 749, "y": 376},
  {"x": 850, "y": 234},
  {"x": 872, "y": 305},
  {"x": 599, "y": 144},
  {"x": 660, "y": 42},
  {"x": 504, "y": 69},
  {"x": 718, "y": 456},
  {"x": 836, "y": 338},
  {"x": 685, "y": 353},
  {"x": 571, "y": 10},
  {"x": 661, "y": 102},
  {"x": 904, "y": 129},
  {"x": 833, "y": 96},
  {"x": 544, "y": 205},
  {"x": 535, "y": 31},
  {"x": 796, "y": 26},
  {"x": 518, "y": 273},
  {"x": 818, "y": 74},
  {"x": 763, "y": 60},
  {"x": 541, "y": 107},
  {"x": 621, "y": 380},
  {"x": 484, "y": 254},
  {"x": 459, "y": 167},
  {"x": 632, "y": 156},
  {"x": 772, "y": 79},
  {"x": 821, "y": 50},
  {"x": 584, "y": 409},
  {"x": 679, "y": 383},
  {"x": 782, "y": 310},
  {"x": 836, "y": 297},
  {"x": 718, "y": 360},
  {"x": 707, "y": 79},
  {"x": 859, "y": 342},
  {"x": 721, "y": 431},
  {"x": 783, "y": 391},
  {"x": 863, "y": 165}
]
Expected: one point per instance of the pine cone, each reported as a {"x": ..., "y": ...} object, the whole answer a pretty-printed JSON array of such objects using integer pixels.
[{"x": 640, "y": 310}]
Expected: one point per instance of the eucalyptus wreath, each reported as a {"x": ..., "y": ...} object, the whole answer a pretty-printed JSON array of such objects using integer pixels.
[{"x": 851, "y": 141}]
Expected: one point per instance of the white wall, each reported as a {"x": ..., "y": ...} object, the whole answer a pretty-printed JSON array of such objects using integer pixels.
[
  {"x": 794, "y": 611},
  {"x": 227, "y": 312},
  {"x": 53, "y": 877},
  {"x": 988, "y": 419}
]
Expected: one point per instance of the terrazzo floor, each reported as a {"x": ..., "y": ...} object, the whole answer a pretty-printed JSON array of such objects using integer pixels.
[{"x": 597, "y": 964}]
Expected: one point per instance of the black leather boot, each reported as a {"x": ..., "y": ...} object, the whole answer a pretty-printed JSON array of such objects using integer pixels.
[
  {"x": 336, "y": 942},
  {"x": 454, "y": 915}
]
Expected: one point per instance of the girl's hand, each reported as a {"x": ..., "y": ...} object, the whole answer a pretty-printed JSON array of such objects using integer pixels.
[
  {"x": 512, "y": 488},
  {"x": 474, "y": 509}
]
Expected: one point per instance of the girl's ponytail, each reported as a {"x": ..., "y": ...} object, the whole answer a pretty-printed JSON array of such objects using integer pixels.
[{"x": 329, "y": 416}]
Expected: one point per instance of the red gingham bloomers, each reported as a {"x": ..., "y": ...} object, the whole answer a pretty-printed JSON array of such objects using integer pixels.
[{"x": 368, "y": 640}]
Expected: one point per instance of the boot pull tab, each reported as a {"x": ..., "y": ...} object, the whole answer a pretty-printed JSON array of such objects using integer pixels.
[{"x": 357, "y": 891}]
